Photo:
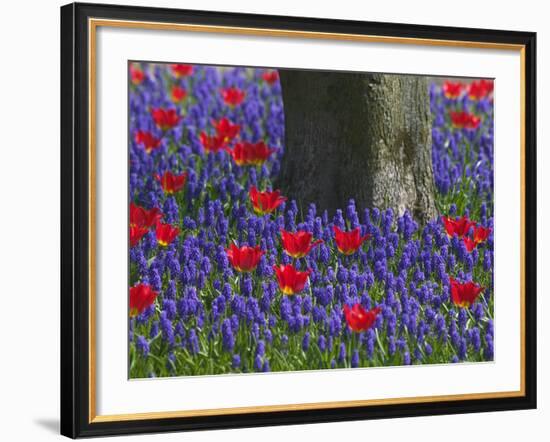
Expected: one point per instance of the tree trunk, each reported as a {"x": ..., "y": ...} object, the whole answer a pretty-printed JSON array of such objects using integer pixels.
[{"x": 360, "y": 136}]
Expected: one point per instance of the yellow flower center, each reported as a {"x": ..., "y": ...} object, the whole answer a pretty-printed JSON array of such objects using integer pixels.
[
  {"x": 287, "y": 290},
  {"x": 346, "y": 252}
]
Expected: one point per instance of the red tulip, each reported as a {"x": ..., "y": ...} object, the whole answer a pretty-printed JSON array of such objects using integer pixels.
[
  {"x": 481, "y": 234},
  {"x": 136, "y": 74},
  {"x": 182, "y": 70},
  {"x": 270, "y": 77},
  {"x": 178, "y": 94},
  {"x": 212, "y": 143},
  {"x": 359, "y": 319},
  {"x": 136, "y": 233},
  {"x": 149, "y": 141},
  {"x": 464, "y": 120},
  {"x": 452, "y": 90},
  {"x": 478, "y": 90},
  {"x": 265, "y": 202},
  {"x": 166, "y": 233},
  {"x": 349, "y": 242},
  {"x": 298, "y": 244},
  {"x": 459, "y": 226},
  {"x": 291, "y": 281},
  {"x": 233, "y": 96},
  {"x": 249, "y": 154},
  {"x": 489, "y": 85},
  {"x": 245, "y": 258},
  {"x": 469, "y": 243},
  {"x": 226, "y": 130},
  {"x": 464, "y": 294},
  {"x": 141, "y": 297},
  {"x": 165, "y": 119},
  {"x": 171, "y": 183},
  {"x": 140, "y": 217}
]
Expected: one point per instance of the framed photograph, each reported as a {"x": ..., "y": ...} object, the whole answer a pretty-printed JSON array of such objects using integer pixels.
[{"x": 276, "y": 220}]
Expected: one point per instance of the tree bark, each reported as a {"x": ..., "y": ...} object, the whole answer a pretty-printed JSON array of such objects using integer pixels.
[{"x": 360, "y": 136}]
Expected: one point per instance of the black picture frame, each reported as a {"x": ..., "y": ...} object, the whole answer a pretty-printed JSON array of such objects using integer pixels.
[{"x": 75, "y": 195}]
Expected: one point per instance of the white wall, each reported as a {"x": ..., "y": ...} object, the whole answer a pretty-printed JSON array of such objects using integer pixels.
[{"x": 29, "y": 218}]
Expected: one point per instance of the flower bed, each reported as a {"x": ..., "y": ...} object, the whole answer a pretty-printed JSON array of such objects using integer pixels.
[{"x": 228, "y": 275}]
